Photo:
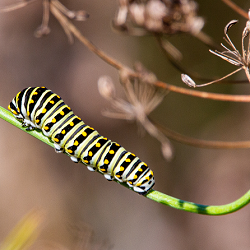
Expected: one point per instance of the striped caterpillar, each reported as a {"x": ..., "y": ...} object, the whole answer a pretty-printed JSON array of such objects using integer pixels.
[{"x": 40, "y": 108}]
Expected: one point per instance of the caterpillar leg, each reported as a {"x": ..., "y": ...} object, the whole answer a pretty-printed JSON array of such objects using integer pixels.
[
  {"x": 58, "y": 149},
  {"x": 29, "y": 124},
  {"x": 139, "y": 190},
  {"x": 108, "y": 177},
  {"x": 29, "y": 127},
  {"x": 74, "y": 159},
  {"x": 91, "y": 168}
]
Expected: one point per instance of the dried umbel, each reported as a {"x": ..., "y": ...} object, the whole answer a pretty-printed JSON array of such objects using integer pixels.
[
  {"x": 138, "y": 17},
  {"x": 230, "y": 54},
  {"x": 142, "y": 99},
  {"x": 54, "y": 6}
]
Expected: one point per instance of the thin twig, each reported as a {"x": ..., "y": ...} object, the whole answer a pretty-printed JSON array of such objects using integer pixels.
[
  {"x": 16, "y": 6},
  {"x": 200, "y": 143},
  {"x": 206, "y": 39},
  {"x": 236, "y": 8},
  {"x": 85, "y": 41},
  {"x": 182, "y": 69},
  {"x": 175, "y": 63},
  {"x": 202, "y": 94}
]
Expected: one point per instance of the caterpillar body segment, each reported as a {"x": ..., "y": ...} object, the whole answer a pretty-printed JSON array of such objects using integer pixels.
[{"x": 39, "y": 107}]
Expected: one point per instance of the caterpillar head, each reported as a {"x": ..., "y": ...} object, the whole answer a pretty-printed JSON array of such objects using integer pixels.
[
  {"x": 15, "y": 110},
  {"x": 19, "y": 112}
]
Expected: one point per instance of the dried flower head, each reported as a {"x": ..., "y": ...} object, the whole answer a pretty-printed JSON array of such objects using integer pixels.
[
  {"x": 139, "y": 17},
  {"x": 143, "y": 98},
  {"x": 49, "y": 5},
  {"x": 231, "y": 55}
]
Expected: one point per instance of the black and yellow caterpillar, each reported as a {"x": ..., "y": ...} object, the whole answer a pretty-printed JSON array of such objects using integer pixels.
[{"x": 39, "y": 107}]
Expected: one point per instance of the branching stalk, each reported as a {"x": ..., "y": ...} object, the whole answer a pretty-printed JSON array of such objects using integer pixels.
[{"x": 116, "y": 64}]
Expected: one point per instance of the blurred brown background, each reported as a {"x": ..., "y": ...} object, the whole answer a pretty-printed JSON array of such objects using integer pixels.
[{"x": 33, "y": 176}]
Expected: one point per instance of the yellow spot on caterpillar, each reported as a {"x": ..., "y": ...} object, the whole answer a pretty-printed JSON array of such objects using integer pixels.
[
  {"x": 106, "y": 161},
  {"x": 140, "y": 169},
  {"x": 128, "y": 160},
  {"x": 117, "y": 144},
  {"x": 91, "y": 128},
  {"x": 111, "y": 152},
  {"x": 69, "y": 151},
  {"x": 90, "y": 153},
  {"x": 18, "y": 109},
  {"x": 53, "y": 120},
  {"x": 69, "y": 108},
  {"x": 14, "y": 112},
  {"x": 62, "y": 112},
  {"x": 84, "y": 133},
  {"x": 130, "y": 182},
  {"x": 117, "y": 175},
  {"x": 58, "y": 96},
  {"x": 71, "y": 124},
  {"x": 35, "y": 93},
  {"x": 76, "y": 143},
  {"x": 104, "y": 138},
  {"x": 28, "y": 113},
  {"x": 63, "y": 132},
  {"x": 135, "y": 176},
  {"x": 86, "y": 161},
  {"x": 56, "y": 139},
  {"x": 44, "y": 111},
  {"x": 52, "y": 102},
  {"x": 46, "y": 128},
  {"x": 37, "y": 120},
  {"x": 103, "y": 169},
  {"x": 121, "y": 168},
  {"x": 31, "y": 101},
  {"x": 9, "y": 108},
  {"x": 98, "y": 145},
  {"x": 132, "y": 154}
]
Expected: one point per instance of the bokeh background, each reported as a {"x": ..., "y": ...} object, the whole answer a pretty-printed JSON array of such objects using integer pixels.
[{"x": 81, "y": 205}]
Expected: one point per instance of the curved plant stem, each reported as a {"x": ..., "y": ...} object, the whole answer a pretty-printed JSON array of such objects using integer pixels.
[
  {"x": 153, "y": 195},
  {"x": 7, "y": 116},
  {"x": 198, "y": 208}
]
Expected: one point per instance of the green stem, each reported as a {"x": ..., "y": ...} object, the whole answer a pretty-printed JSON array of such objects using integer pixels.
[
  {"x": 198, "y": 208},
  {"x": 153, "y": 195},
  {"x": 8, "y": 117}
]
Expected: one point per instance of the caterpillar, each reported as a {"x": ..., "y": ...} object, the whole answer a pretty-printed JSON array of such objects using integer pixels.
[{"x": 40, "y": 108}]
